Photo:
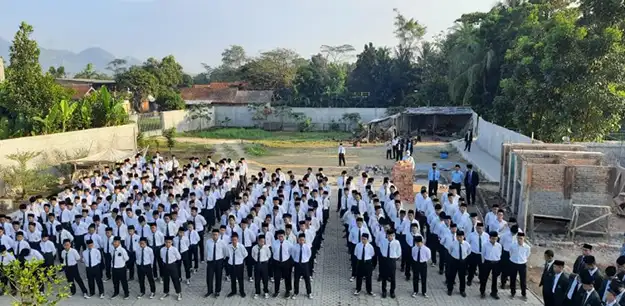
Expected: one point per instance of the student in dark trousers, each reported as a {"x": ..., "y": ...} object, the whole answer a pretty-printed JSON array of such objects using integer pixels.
[
  {"x": 458, "y": 253},
  {"x": 282, "y": 261},
  {"x": 215, "y": 254},
  {"x": 236, "y": 260},
  {"x": 471, "y": 180},
  {"x": 390, "y": 251},
  {"x": 341, "y": 154},
  {"x": 93, "y": 261},
  {"x": 107, "y": 249},
  {"x": 261, "y": 254},
  {"x": 247, "y": 240},
  {"x": 156, "y": 240},
  {"x": 145, "y": 259},
  {"x": 131, "y": 243},
  {"x": 48, "y": 249},
  {"x": 491, "y": 254},
  {"x": 364, "y": 252},
  {"x": 70, "y": 258},
  {"x": 301, "y": 254},
  {"x": 170, "y": 257},
  {"x": 519, "y": 254},
  {"x": 468, "y": 139},
  {"x": 421, "y": 254},
  {"x": 120, "y": 258}
]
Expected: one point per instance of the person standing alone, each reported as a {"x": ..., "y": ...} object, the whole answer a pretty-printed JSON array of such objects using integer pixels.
[
  {"x": 341, "y": 154},
  {"x": 468, "y": 139}
]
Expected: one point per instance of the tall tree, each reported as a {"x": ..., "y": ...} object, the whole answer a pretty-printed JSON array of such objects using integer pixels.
[
  {"x": 89, "y": 72},
  {"x": 57, "y": 72},
  {"x": 117, "y": 66},
  {"x": 337, "y": 54}
]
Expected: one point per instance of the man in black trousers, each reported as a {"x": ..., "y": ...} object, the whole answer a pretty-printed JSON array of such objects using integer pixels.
[
  {"x": 145, "y": 259},
  {"x": 93, "y": 261},
  {"x": 471, "y": 180},
  {"x": 215, "y": 254}
]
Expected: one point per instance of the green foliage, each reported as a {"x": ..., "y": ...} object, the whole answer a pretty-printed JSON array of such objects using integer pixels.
[
  {"x": 29, "y": 278},
  {"x": 169, "y": 99},
  {"x": 57, "y": 72},
  {"x": 256, "y": 149},
  {"x": 170, "y": 136},
  {"x": 90, "y": 73},
  {"x": 141, "y": 141},
  {"x": 107, "y": 110},
  {"x": 25, "y": 178},
  {"x": 200, "y": 112}
]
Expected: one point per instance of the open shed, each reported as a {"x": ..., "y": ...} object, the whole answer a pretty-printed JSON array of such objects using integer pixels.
[{"x": 435, "y": 120}]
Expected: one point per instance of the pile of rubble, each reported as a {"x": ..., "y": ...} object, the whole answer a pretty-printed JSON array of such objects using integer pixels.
[{"x": 375, "y": 170}]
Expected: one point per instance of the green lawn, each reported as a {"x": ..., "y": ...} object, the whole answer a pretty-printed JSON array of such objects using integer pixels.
[{"x": 258, "y": 134}]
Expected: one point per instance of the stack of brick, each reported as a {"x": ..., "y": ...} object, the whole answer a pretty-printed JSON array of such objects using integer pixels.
[{"x": 403, "y": 179}]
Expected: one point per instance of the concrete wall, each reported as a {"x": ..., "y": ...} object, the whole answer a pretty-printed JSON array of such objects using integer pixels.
[
  {"x": 613, "y": 150},
  {"x": 55, "y": 147},
  {"x": 182, "y": 121},
  {"x": 491, "y": 137},
  {"x": 241, "y": 116}
]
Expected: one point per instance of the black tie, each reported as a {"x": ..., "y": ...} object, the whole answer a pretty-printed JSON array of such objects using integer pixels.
[
  {"x": 243, "y": 236},
  {"x": 66, "y": 258},
  {"x": 301, "y": 252},
  {"x": 460, "y": 250},
  {"x": 280, "y": 252},
  {"x": 179, "y": 242},
  {"x": 154, "y": 239},
  {"x": 166, "y": 229},
  {"x": 362, "y": 257},
  {"x": 388, "y": 250},
  {"x": 167, "y": 255},
  {"x": 131, "y": 249},
  {"x": 107, "y": 247},
  {"x": 479, "y": 241},
  {"x": 214, "y": 250},
  {"x": 89, "y": 255},
  {"x": 142, "y": 256},
  {"x": 258, "y": 256},
  {"x": 419, "y": 254}
]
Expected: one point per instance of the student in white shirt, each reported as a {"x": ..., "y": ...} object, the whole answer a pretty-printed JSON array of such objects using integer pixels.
[
  {"x": 69, "y": 260},
  {"x": 236, "y": 258},
  {"x": 301, "y": 254},
  {"x": 364, "y": 252},
  {"x": 215, "y": 254},
  {"x": 282, "y": 264},
  {"x": 390, "y": 251},
  {"x": 341, "y": 154},
  {"x": 477, "y": 240},
  {"x": 170, "y": 257},
  {"x": 182, "y": 244},
  {"x": 421, "y": 254},
  {"x": 519, "y": 254},
  {"x": 48, "y": 250},
  {"x": 120, "y": 258},
  {"x": 261, "y": 254},
  {"x": 491, "y": 255},
  {"x": 458, "y": 252},
  {"x": 93, "y": 266},
  {"x": 145, "y": 261},
  {"x": 194, "y": 242}
]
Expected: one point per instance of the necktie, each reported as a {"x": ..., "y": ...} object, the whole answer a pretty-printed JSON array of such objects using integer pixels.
[
  {"x": 258, "y": 256},
  {"x": 179, "y": 242},
  {"x": 142, "y": 256},
  {"x": 131, "y": 243},
  {"x": 66, "y": 258},
  {"x": 359, "y": 235},
  {"x": 107, "y": 247},
  {"x": 154, "y": 239},
  {"x": 419, "y": 254},
  {"x": 280, "y": 252},
  {"x": 362, "y": 257},
  {"x": 234, "y": 255},
  {"x": 214, "y": 250},
  {"x": 479, "y": 241},
  {"x": 18, "y": 248},
  {"x": 167, "y": 255},
  {"x": 388, "y": 250},
  {"x": 460, "y": 250},
  {"x": 89, "y": 255},
  {"x": 119, "y": 230},
  {"x": 301, "y": 252},
  {"x": 243, "y": 236},
  {"x": 414, "y": 240},
  {"x": 166, "y": 229}
]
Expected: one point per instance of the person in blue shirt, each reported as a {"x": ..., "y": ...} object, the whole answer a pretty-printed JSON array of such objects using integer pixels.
[
  {"x": 433, "y": 176},
  {"x": 457, "y": 177}
]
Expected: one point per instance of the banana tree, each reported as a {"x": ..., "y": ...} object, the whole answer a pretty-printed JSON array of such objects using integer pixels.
[
  {"x": 66, "y": 112},
  {"x": 49, "y": 124}
]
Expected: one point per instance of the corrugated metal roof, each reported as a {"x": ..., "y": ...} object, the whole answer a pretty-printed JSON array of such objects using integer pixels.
[
  {"x": 378, "y": 120},
  {"x": 439, "y": 110},
  {"x": 253, "y": 96}
]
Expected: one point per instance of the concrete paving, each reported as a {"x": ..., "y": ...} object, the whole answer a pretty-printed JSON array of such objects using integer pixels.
[
  {"x": 486, "y": 163},
  {"x": 331, "y": 286}
]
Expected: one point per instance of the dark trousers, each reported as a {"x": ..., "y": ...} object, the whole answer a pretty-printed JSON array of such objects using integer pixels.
[
  {"x": 521, "y": 270},
  {"x": 210, "y": 217},
  {"x": 261, "y": 273},
  {"x": 73, "y": 276},
  {"x": 339, "y": 197},
  {"x": 107, "y": 265},
  {"x": 473, "y": 262},
  {"x": 420, "y": 270},
  {"x": 471, "y": 190},
  {"x": 282, "y": 270},
  {"x": 405, "y": 249},
  {"x": 193, "y": 256},
  {"x": 442, "y": 263},
  {"x": 389, "y": 154},
  {"x": 364, "y": 270},
  {"x": 158, "y": 263},
  {"x": 214, "y": 271},
  {"x": 144, "y": 272},
  {"x": 170, "y": 273},
  {"x": 236, "y": 276},
  {"x": 504, "y": 267},
  {"x": 467, "y": 145},
  {"x": 489, "y": 268},
  {"x": 94, "y": 276},
  {"x": 341, "y": 159},
  {"x": 119, "y": 277},
  {"x": 249, "y": 262},
  {"x": 433, "y": 243},
  {"x": 387, "y": 271},
  {"x": 456, "y": 186},
  {"x": 302, "y": 270},
  {"x": 79, "y": 243},
  {"x": 201, "y": 247},
  {"x": 132, "y": 259},
  {"x": 433, "y": 188},
  {"x": 186, "y": 263},
  {"x": 456, "y": 267}
]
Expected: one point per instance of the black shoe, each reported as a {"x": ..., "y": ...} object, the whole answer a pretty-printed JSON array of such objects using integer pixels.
[
  {"x": 379, "y": 279},
  {"x": 216, "y": 294},
  {"x": 276, "y": 294},
  {"x": 392, "y": 295},
  {"x": 383, "y": 294},
  {"x": 469, "y": 283},
  {"x": 287, "y": 295},
  {"x": 440, "y": 272},
  {"x": 449, "y": 292},
  {"x": 463, "y": 294},
  {"x": 482, "y": 295},
  {"x": 401, "y": 269},
  {"x": 208, "y": 294},
  {"x": 242, "y": 294},
  {"x": 496, "y": 297},
  {"x": 231, "y": 294},
  {"x": 407, "y": 278}
]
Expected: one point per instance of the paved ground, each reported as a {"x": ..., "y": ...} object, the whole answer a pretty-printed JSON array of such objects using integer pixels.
[
  {"x": 486, "y": 163},
  {"x": 331, "y": 286}
]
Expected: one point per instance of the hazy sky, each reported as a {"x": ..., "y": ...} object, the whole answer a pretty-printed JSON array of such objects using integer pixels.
[{"x": 197, "y": 31}]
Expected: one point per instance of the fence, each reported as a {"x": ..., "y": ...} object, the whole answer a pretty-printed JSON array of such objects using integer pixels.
[
  {"x": 149, "y": 122},
  {"x": 293, "y": 126}
]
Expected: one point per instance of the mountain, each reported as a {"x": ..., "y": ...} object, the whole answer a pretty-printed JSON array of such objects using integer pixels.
[{"x": 73, "y": 62}]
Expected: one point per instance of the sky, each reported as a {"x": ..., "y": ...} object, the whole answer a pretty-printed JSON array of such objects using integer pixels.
[{"x": 197, "y": 31}]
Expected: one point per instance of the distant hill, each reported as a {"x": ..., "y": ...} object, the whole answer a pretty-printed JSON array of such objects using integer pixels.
[{"x": 73, "y": 62}]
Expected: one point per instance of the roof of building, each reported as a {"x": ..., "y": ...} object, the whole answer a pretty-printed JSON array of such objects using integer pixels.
[
  {"x": 230, "y": 96},
  {"x": 80, "y": 90},
  {"x": 85, "y": 81},
  {"x": 439, "y": 110},
  {"x": 253, "y": 96}
]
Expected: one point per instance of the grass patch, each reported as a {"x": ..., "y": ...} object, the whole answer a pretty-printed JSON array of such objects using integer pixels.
[
  {"x": 182, "y": 150},
  {"x": 256, "y": 149},
  {"x": 258, "y": 134}
]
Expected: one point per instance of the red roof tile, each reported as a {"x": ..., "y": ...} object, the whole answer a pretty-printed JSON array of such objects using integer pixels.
[{"x": 80, "y": 90}]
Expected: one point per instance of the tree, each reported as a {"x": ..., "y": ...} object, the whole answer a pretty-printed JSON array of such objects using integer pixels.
[
  {"x": 90, "y": 73},
  {"x": 35, "y": 284},
  {"x": 139, "y": 82},
  {"x": 107, "y": 110},
  {"x": 272, "y": 70},
  {"x": 23, "y": 179},
  {"x": 170, "y": 136},
  {"x": 169, "y": 100},
  {"x": 66, "y": 113},
  {"x": 58, "y": 73},
  {"x": 199, "y": 112},
  {"x": 337, "y": 54},
  {"x": 234, "y": 57},
  {"x": 409, "y": 31},
  {"x": 117, "y": 66}
]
